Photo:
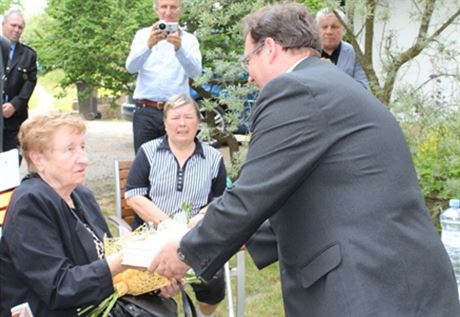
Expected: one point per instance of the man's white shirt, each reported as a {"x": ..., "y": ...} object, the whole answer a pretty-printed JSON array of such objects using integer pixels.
[{"x": 163, "y": 71}]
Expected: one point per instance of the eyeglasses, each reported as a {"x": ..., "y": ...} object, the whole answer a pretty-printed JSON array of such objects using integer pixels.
[{"x": 247, "y": 57}]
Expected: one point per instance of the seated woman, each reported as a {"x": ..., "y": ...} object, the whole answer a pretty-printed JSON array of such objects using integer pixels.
[
  {"x": 175, "y": 169},
  {"x": 51, "y": 251}
]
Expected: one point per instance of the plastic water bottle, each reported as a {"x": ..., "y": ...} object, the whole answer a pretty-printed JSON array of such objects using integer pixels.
[{"x": 450, "y": 223}]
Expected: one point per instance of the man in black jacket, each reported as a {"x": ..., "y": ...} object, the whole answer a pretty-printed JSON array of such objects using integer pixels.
[
  {"x": 20, "y": 79},
  {"x": 4, "y": 49}
]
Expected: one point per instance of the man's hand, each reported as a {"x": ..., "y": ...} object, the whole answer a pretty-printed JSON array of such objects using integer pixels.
[
  {"x": 172, "y": 289},
  {"x": 174, "y": 39},
  {"x": 8, "y": 110},
  {"x": 167, "y": 264},
  {"x": 156, "y": 35}
]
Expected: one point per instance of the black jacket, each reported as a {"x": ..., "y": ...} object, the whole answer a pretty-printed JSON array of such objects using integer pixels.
[
  {"x": 21, "y": 78},
  {"x": 47, "y": 257},
  {"x": 4, "y": 47}
]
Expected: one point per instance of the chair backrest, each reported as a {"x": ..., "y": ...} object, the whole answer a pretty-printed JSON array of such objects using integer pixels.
[
  {"x": 5, "y": 197},
  {"x": 121, "y": 174}
]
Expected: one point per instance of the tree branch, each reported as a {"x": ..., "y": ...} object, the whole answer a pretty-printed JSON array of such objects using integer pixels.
[{"x": 422, "y": 41}]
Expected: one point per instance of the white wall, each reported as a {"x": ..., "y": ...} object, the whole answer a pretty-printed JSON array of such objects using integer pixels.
[{"x": 405, "y": 30}]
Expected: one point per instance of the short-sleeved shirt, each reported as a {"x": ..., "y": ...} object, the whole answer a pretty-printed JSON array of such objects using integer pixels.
[{"x": 155, "y": 173}]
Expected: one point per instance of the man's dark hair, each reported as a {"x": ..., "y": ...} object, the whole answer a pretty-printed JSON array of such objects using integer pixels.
[{"x": 289, "y": 24}]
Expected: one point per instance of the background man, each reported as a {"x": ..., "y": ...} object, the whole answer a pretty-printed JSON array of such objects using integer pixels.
[
  {"x": 329, "y": 167},
  {"x": 4, "y": 50},
  {"x": 164, "y": 62},
  {"x": 335, "y": 49},
  {"x": 21, "y": 78}
]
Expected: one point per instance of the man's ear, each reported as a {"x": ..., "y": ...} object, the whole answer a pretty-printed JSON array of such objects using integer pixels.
[{"x": 272, "y": 48}]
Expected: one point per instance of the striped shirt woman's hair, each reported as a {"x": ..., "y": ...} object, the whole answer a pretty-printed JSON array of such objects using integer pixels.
[{"x": 180, "y": 100}]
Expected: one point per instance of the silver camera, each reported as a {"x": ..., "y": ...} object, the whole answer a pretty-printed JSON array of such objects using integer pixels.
[{"x": 168, "y": 27}]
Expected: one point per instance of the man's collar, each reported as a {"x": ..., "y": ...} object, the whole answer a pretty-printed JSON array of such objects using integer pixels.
[
  {"x": 164, "y": 146},
  {"x": 334, "y": 57},
  {"x": 297, "y": 63}
]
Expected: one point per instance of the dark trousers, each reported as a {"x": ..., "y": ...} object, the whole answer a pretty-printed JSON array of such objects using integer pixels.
[
  {"x": 147, "y": 125},
  {"x": 10, "y": 140}
]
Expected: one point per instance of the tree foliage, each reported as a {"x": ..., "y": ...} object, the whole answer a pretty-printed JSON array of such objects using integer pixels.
[
  {"x": 89, "y": 40},
  {"x": 7, "y": 4}
]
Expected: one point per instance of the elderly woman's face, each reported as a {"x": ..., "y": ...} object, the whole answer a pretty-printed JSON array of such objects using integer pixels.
[
  {"x": 182, "y": 124},
  {"x": 64, "y": 166}
]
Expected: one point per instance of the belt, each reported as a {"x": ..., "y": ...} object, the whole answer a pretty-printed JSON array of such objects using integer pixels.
[{"x": 150, "y": 103}]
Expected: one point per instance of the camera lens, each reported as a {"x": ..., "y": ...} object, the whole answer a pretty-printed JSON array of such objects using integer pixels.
[{"x": 162, "y": 26}]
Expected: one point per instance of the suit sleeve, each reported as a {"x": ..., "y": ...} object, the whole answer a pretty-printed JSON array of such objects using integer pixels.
[
  {"x": 34, "y": 234},
  {"x": 21, "y": 100},
  {"x": 286, "y": 142},
  {"x": 262, "y": 246},
  {"x": 359, "y": 75}
]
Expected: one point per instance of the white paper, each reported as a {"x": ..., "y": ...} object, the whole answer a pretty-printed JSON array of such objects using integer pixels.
[
  {"x": 140, "y": 253},
  {"x": 22, "y": 310},
  {"x": 9, "y": 169}
]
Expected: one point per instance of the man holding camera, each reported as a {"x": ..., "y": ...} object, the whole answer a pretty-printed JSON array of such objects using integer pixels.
[
  {"x": 164, "y": 57},
  {"x": 20, "y": 79}
]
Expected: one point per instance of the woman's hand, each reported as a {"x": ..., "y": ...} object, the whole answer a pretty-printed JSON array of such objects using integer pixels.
[
  {"x": 197, "y": 218},
  {"x": 114, "y": 262}
]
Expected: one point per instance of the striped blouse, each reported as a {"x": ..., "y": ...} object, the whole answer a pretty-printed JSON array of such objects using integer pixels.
[{"x": 155, "y": 173}]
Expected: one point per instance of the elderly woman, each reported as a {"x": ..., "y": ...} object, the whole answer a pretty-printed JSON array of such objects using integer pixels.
[
  {"x": 176, "y": 169},
  {"x": 51, "y": 251}
]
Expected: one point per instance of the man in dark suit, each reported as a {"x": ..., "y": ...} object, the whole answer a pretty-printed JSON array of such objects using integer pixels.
[
  {"x": 20, "y": 81},
  {"x": 329, "y": 167},
  {"x": 4, "y": 50}
]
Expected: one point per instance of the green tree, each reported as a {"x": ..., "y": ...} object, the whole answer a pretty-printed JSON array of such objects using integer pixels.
[
  {"x": 7, "y": 4},
  {"x": 89, "y": 41}
]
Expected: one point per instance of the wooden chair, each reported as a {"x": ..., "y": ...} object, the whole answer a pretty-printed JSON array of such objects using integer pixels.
[
  {"x": 126, "y": 213},
  {"x": 5, "y": 197},
  {"x": 122, "y": 210}
]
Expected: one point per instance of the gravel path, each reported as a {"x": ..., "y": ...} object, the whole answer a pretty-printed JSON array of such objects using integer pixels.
[{"x": 107, "y": 141}]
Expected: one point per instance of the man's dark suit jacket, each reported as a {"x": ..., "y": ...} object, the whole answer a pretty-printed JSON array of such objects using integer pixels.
[
  {"x": 47, "y": 257},
  {"x": 4, "y": 50},
  {"x": 329, "y": 167},
  {"x": 21, "y": 78}
]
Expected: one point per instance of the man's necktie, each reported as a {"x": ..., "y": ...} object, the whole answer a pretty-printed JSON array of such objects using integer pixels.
[{"x": 11, "y": 52}]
